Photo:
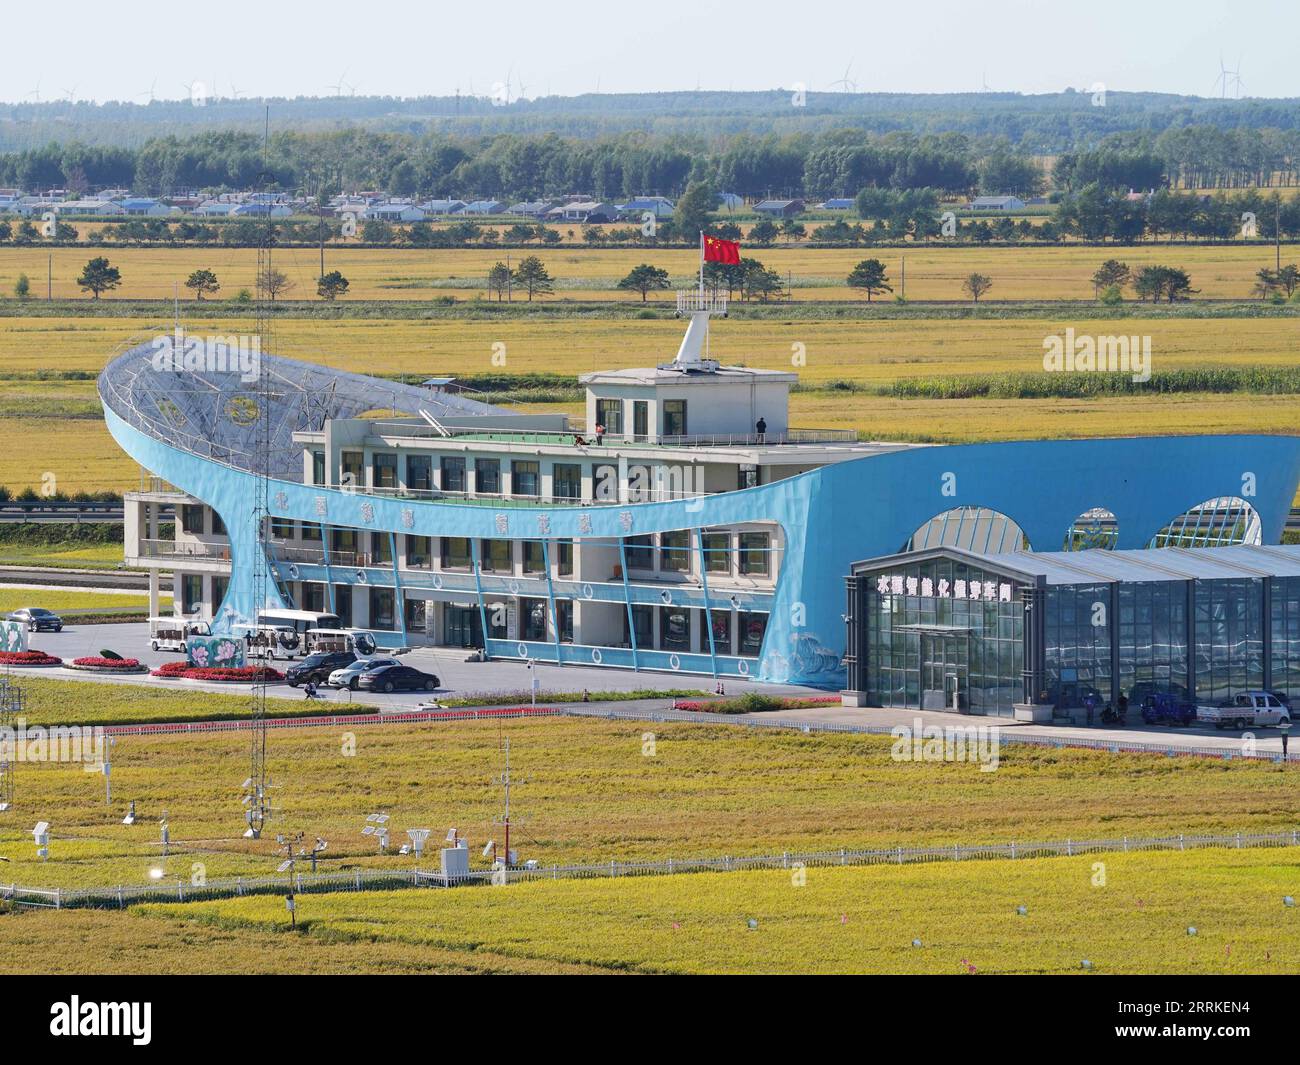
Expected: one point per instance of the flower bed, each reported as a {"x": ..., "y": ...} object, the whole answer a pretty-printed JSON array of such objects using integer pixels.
[
  {"x": 28, "y": 658},
  {"x": 221, "y": 674},
  {"x": 96, "y": 664},
  {"x": 754, "y": 703}
]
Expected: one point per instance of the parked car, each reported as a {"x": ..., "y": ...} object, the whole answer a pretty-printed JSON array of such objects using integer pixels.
[
  {"x": 1164, "y": 708},
  {"x": 397, "y": 678},
  {"x": 38, "y": 619},
  {"x": 1246, "y": 710},
  {"x": 348, "y": 676},
  {"x": 317, "y": 667}
]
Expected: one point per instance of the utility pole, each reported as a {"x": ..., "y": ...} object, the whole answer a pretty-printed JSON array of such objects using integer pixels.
[
  {"x": 902, "y": 288},
  {"x": 49, "y": 278}
]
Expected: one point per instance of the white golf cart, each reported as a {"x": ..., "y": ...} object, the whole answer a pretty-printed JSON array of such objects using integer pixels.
[
  {"x": 170, "y": 633},
  {"x": 326, "y": 641}
]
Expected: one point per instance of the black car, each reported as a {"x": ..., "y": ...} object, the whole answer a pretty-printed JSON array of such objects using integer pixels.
[
  {"x": 318, "y": 667},
  {"x": 397, "y": 678},
  {"x": 37, "y": 619}
]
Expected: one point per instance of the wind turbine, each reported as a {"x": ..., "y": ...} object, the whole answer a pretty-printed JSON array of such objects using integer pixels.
[
  {"x": 338, "y": 89},
  {"x": 235, "y": 92},
  {"x": 984, "y": 82},
  {"x": 849, "y": 84},
  {"x": 152, "y": 85},
  {"x": 1221, "y": 82},
  {"x": 35, "y": 94},
  {"x": 70, "y": 93},
  {"x": 1237, "y": 84}
]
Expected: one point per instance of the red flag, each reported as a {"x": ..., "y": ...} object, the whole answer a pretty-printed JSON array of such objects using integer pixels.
[{"x": 717, "y": 250}]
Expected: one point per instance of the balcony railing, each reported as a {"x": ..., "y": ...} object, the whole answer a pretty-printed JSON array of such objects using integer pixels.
[
  {"x": 581, "y": 440},
  {"x": 190, "y": 549}
]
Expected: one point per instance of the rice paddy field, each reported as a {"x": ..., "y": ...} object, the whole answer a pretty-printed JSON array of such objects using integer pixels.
[
  {"x": 52, "y": 424},
  {"x": 1123, "y": 913},
  {"x": 817, "y": 273},
  {"x": 60, "y": 600},
  {"x": 584, "y": 792}
]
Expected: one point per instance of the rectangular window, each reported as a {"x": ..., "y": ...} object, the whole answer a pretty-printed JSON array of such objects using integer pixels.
[
  {"x": 384, "y": 470},
  {"x": 674, "y": 417},
  {"x": 419, "y": 473},
  {"x": 564, "y": 558},
  {"x": 218, "y": 526},
  {"x": 721, "y": 631},
  {"x": 311, "y": 531},
  {"x": 747, "y": 476},
  {"x": 487, "y": 477},
  {"x": 674, "y": 551},
  {"x": 754, "y": 554},
  {"x": 609, "y": 413},
  {"x": 751, "y": 627},
  {"x": 640, "y": 552},
  {"x": 313, "y": 596},
  {"x": 381, "y": 549},
  {"x": 282, "y": 528},
  {"x": 564, "y": 616},
  {"x": 496, "y": 556},
  {"x": 534, "y": 559},
  {"x": 674, "y": 628},
  {"x": 219, "y": 587},
  {"x": 717, "y": 552},
  {"x": 381, "y": 608},
  {"x": 453, "y": 474},
  {"x": 318, "y": 467},
  {"x": 532, "y": 619},
  {"x": 191, "y": 593},
  {"x": 344, "y": 540},
  {"x": 192, "y": 519},
  {"x": 352, "y": 469},
  {"x": 640, "y": 419},
  {"x": 343, "y": 604},
  {"x": 643, "y": 618},
  {"x": 525, "y": 477},
  {"x": 566, "y": 481},
  {"x": 419, "y": 549},
  {"x": 455, "y": 552}
]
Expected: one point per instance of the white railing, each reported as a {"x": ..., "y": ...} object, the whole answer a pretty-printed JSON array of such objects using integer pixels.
[
  {"x": 693, "y": 301},
  {"x": 376, "y": 879}
]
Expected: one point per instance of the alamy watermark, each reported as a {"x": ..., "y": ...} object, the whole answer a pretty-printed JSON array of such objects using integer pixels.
[
  {"x": 1072, "y": 353},
  {"x": 919, "y": 742},
  {"x": 55, "y": 743},
  {"x": 182, "y": 352}
]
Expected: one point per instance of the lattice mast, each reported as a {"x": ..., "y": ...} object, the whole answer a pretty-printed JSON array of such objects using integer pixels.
[
  {"x": 11, "y": 709},
  {"x": 257, "y": 797}
]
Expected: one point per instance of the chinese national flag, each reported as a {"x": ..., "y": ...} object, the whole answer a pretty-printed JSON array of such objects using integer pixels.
[{"x": 721, "y": 251}]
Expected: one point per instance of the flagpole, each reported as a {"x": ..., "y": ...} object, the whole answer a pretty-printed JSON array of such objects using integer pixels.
[{"x": 701, "y": 267}]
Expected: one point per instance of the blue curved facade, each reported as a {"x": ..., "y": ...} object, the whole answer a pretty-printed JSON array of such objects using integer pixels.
[{"x": 830, "y": 517}]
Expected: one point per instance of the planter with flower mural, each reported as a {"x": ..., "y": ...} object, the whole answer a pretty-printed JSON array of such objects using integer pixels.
[
  {"x": 215, "y": 652},
  {"x": 29, "y": 659}
]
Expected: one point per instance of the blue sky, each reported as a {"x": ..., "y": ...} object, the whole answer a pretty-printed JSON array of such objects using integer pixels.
[{"x": 408, "y": 48}]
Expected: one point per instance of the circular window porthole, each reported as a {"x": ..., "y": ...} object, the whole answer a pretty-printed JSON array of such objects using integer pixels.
[
  {"x": 361, "y": 576},
  {"x": 743, "y": 668},
  {"x": 667, "y": 598},
  {"x": 293, "y": 571},
  {"x": 588, "y": 592},
  {"x": 596, "y": 656},
  {"x": 523, "y": 650},
  {"x": 674, "y": 662},
  {"x": 436, "y": 581}
]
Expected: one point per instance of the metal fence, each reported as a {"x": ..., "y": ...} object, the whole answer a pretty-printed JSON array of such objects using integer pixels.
[{"x": 390, "y": 879}]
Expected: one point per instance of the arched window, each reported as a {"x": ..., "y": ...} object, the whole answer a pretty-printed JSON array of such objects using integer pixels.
[
  {"x": 1217, "y": 522},
  {"x": 969, "y": 529},
  {"x": 1094, "y": 529}
]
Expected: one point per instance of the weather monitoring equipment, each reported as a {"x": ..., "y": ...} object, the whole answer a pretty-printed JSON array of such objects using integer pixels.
[
  {"x": 41, "y": 834},
  {"x": 418, "y": 836},
  {"x": 377, "y": 826}
]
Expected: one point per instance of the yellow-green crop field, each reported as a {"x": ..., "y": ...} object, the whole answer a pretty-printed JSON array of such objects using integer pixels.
[
  {"x": 60, "y": 599},
  {"x": 932, "y": 273},
  {"x": 586, "y": 792},
  {"x": 1124, "y": 913},
  {"x": 55, "y": 426}
]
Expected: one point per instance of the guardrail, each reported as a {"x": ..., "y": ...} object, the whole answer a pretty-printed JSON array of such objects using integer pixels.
[{"x": 120, "y": 896}]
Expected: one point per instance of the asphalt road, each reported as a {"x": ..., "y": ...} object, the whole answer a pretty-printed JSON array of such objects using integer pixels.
[
  {"x": 510, "y": 682},
  {"x": 96, "y": 579}
]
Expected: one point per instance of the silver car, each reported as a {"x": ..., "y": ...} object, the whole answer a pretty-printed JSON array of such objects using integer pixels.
[{"x": 347, "y": 676}]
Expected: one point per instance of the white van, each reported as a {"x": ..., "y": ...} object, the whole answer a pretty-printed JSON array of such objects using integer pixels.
[
  {"x": 358, "y": 641},
  {"x": 170, "y": 633}
]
